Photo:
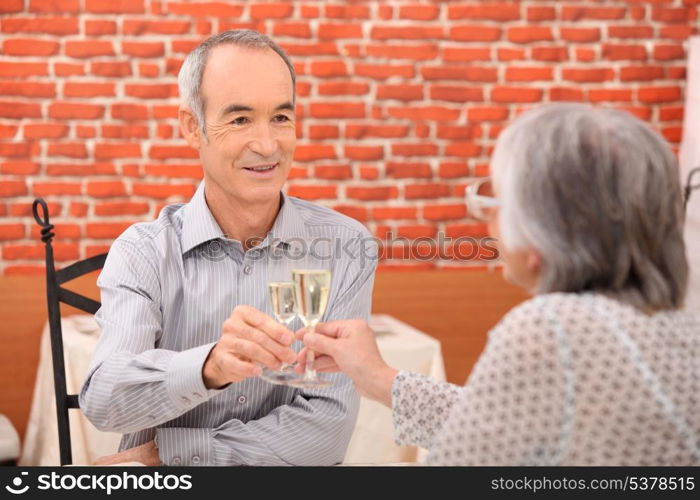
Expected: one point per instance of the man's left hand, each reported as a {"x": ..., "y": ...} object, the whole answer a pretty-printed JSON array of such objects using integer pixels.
[{"x": 147, "y": 454}]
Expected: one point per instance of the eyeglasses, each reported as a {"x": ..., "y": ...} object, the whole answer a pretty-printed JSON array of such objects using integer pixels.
[
  {"x": 480, "y": 199},
  {"x": 689, "y": 187}
]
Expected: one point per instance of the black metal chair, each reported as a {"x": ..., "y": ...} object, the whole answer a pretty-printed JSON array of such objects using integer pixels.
[{"x": 55, "y": 294}]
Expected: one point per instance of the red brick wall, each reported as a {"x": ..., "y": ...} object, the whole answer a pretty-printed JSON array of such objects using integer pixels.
[{"x": 399, "y": 101}]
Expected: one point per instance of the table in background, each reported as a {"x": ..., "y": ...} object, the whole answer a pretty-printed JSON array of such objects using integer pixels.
[{"x": 372, "y": 442}]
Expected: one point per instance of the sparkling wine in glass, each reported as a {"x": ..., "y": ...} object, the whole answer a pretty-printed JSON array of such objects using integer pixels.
[
  {"x": 284, "y": 309},
  {"x": 311, "y": 290}
]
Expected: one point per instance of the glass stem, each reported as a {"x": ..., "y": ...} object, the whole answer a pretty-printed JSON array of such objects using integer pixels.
[{"x": 310, "y": 373}]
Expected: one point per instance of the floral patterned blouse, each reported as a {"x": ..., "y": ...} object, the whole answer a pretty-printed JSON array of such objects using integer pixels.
[{"x": 565, "y": 379}]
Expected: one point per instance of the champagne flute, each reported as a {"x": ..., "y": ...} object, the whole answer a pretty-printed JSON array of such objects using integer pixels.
[
  {"x": 284, "y": 309},
  {"x": 311, "y": 290}
]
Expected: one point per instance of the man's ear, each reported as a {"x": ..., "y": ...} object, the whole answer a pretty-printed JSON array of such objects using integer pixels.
[{"x": 189, "y": 126}]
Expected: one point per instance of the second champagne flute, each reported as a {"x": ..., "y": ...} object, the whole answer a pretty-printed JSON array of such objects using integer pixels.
[{"x": 284, "y": 309}]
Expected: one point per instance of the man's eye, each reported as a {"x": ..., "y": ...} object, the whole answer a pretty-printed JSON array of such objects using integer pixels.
[
  {"x": 241, "y": 120},
  {"x": 281, "y": 118}
]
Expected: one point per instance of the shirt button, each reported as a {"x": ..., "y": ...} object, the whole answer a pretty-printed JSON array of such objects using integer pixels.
[
  {"x": 242, "y": 399},
  {"x": 184, "y": 400},
  {"x": 247, "y": 269},
  {"x": 195, "y": 459},
  {"x": 176, "y": 460},
  {"x": 197, "y": 395}
]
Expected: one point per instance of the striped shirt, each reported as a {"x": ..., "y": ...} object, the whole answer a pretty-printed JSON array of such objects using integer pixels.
[{"x": 167, "y": 287}]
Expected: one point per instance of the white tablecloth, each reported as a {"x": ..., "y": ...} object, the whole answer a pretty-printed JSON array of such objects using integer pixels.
[{"x": 401, "y": 345}]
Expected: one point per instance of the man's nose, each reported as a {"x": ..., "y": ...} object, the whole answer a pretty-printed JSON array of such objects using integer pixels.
[{"x": 264, "y": 141}]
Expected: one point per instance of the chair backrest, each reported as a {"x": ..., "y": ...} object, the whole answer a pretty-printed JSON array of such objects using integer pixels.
[{"x": 55, "y": 294}]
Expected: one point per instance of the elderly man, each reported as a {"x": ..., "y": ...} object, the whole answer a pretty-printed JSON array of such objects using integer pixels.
[{"x": 184, "y": 332}]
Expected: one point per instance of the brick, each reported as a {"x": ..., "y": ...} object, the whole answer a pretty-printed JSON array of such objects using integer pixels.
[
  {"x": 529, "y": 34},
  {"x": 580, "y": 35},
  {"x": 400, "y": 92},
  {"x": 671, "y": 113},
  {"x": 205, "y": 9},
  {"x": 624, "y": 52},
  {"x": 676, "y": 73},
  {"x": 414, "y": 149},
  {"x": 118, "y": 150},
  {"x": 121, "y": 208},
  {"x": 61, "y": 251},
  {"x": 106, "y": 189},
  {"x": 536, "y": 14},
  {"x": 310, "y": 11},
  {"x": 343, "y": 88},
  {"x": 63, "y": 231},
  {"x": 143, "y": 49},
  {"x": 444, "y": 212},
  {"x": 115, "y": 6},
  {"x": 125, "y": 131},
  {"x": 8, "y": 131},
  {"x": 140, "y": 27},
  {"x": 364, "y": 153},
  {"x": 395, "y": 213},
  {"x": 675, "y": 32},
  {"x": 575, "y": 13},
  {"x": 458, "y": 131},
  {"x": 70, "y": 110},
  {"x": 85, "y": 132},
  {"x": 510, "y": 54},
  {"x": 54, "y": 6},
  {"x": 165, "y": 152},
  {"x": 528, "y": 74},
  {"x": 11, "y": 188},
  {"x": 9, "y": 6},
  {"x": 69, "y": 69},
  {"x": 674, "y": 15},
  {"x": 550, "y": 54},
  {"x": 91, "y": 48},
  {"x": 335, "y": 31},
  {"x": 610, "y": 95},
  {"x": 357, "y": 213},
  {"x": 669, "y": 52},
  {"x": 56, "y": 188},
  {"x": 333, "y": 172},
  {"x": 23, "y": 69},
  {"x": 419, "y": 12},
  {"x": 452, "y": 170},
  {"x": 565, "y": 94},
  {"x": 181, "y": 171},
  {"x": 311, "y": 49},
  {"x": 456, "y": 93},
  {"x": 165, "y": 112},
  {"x": 462, "y": 149},
  {"x": 312, "y": 152},
  {"x": 29, "y": 47},
  {"x": 463, "y": 73},
  {"x": 12, "y": 231},
  {"x": 468, "y": 54},
  {"x": 80, "y": 169},
  {"x": 266, "y": 11},
  {"x": 163, "y": 191},
  {"x": 641, "y": 73},
  {"x": 100, "y": 27},
  {"x": 347, "y": 12},
  {"x": 45, "y": 130},
  {"x": 320, "y": 132},
  {"x": 129, "y": 112},
  {"x": 368, "y": 172},
  {"x": 406, "y": 32},
  {"x": 337, "y": 110},
  {"x": 22, "y": 270},
  {"x": 42, "y": 25},
  {"x": 633, "y": 31},
  {"x": 672, "y": 134},
  {"x": 19, "y": 168},
  {"x": 659, "y": 94},
  {"x": 417, "y": 231},
  {"x": 437, "y": 113},
  {"x": 68, "y": 149},
  {"x": 151, "y": 91},
  {"x": 72, "y": 89},
  {"x": 105, "y": 230},
  {"x": 501, "y": 11},
  {"x": 360, "y": 131},
  {"x": 326, "y": 69},
  {"x": 24, "y": 209},
  {"x": 383, "y": 72},
  {"x": 516, "y": 94},
  {"x": 18, "y": 149},
  {"x": 371, "y": 193},
  {"x": 475, "y": 33},
  {"x": 474, "y": 230},
  {"x": 587, "y": 75},
  {"x": 403, "y": 170},
  {"x": 28, "y": 89},
  {"x": 295, "y": 30},
  {"x": 417, "y": 52},
  {"x": 313, "y": 192}
]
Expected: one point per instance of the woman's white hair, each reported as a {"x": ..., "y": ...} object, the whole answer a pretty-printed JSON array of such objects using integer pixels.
[
  {"x": 189, "y": 79},
  {"x": 596, "y": 193}
]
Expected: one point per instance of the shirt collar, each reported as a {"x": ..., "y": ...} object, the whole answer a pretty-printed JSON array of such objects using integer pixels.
[{"x": 199, "y": 225}]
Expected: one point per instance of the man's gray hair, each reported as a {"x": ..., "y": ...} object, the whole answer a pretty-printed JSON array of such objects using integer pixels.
[
  {"x": 596, "y": 193},
  {"x": 189, "y": 79}
]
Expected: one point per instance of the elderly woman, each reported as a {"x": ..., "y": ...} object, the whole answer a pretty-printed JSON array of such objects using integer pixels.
[{"x": 601, "y": 367}]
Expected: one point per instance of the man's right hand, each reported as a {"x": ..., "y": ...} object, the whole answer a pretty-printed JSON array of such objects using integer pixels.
[{"x": 249, "y": 338}]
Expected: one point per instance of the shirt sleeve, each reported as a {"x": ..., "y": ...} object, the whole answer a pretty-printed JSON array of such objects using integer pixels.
[
  {"x": 512, "y": 410},
  {"x": 130, "y": 384},
  {"x": 314, "y": 429}
]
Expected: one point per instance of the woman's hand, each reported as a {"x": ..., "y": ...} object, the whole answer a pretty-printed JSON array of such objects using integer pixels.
[{"x": 349, "y": 346}]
